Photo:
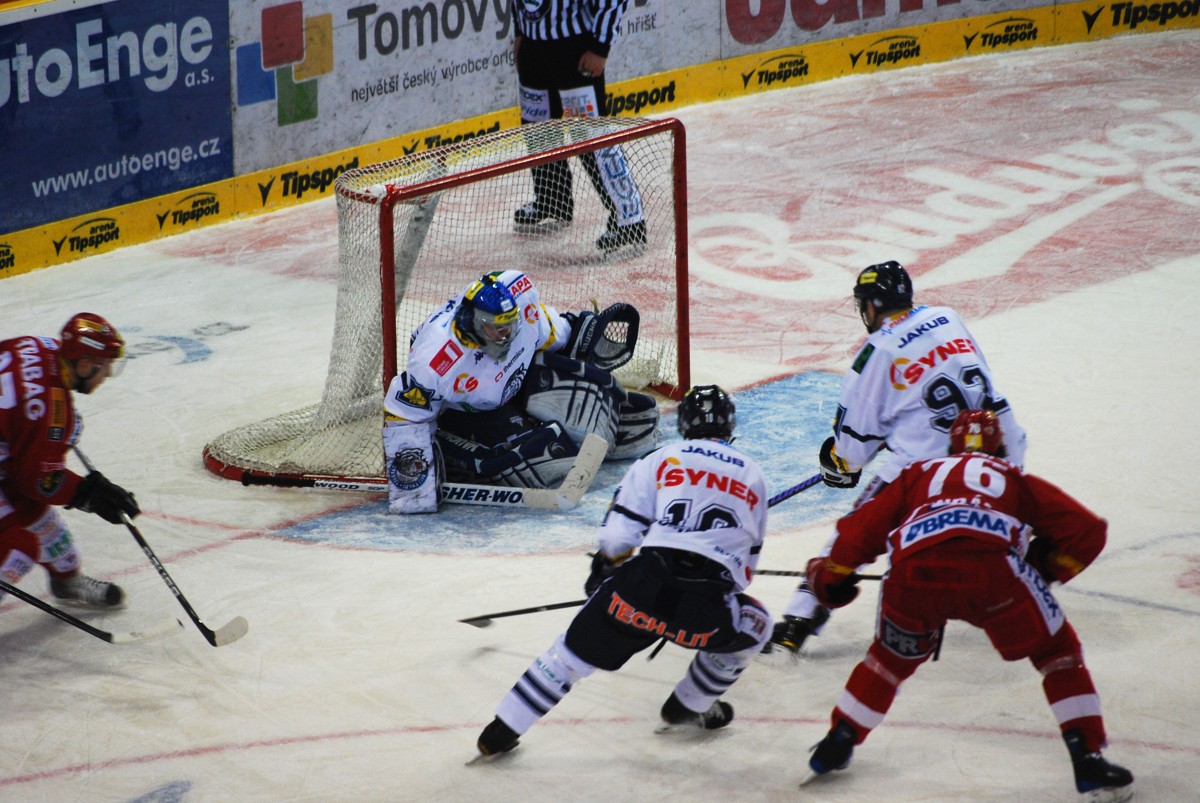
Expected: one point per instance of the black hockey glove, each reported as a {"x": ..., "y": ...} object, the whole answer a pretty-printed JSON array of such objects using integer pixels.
[
  {"x": 602, "y": 569},
  {"x": 834, "y": 471},
  {"x": 1052, "y": 565},
  {"x": 107, "y": 500}
]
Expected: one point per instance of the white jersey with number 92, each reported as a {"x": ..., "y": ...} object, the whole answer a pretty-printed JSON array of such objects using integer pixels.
[{"x": 910, "y": 380}]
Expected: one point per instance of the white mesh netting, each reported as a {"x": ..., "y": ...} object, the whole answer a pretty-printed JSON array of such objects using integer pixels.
[{"x": 445, "y": 239}]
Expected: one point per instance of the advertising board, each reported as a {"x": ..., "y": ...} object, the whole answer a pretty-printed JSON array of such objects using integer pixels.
[{"x": 108, "y": 103}]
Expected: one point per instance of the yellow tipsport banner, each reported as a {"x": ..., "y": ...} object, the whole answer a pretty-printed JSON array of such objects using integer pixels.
[{"x": 312, "y": 179}]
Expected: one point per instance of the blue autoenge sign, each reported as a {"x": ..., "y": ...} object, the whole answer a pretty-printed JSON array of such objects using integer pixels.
[{"x": 106, "y": 103}]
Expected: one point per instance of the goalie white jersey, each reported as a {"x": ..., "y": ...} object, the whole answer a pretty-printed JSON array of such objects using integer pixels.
[
  {"x": 910, "y": 380},
  {"x": 698, "y": 495},
  {"x": 446, "y": 369}
]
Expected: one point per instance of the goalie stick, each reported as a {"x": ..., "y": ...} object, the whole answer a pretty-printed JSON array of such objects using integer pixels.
[
  {"x": 112, "y": 637},
  {"x": 229, "y": 633},
  {"x": 564, "y": 497}
]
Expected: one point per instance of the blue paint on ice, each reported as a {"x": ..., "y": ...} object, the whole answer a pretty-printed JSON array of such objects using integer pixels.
[{"x": 781, "y": 424}]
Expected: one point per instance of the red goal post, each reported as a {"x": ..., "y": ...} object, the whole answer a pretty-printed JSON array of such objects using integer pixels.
[{"x": 415, "y": 231}]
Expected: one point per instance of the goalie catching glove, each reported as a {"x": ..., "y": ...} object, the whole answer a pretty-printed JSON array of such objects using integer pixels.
[
  {"x": 604, "y": 339},
  {"x": 834, "y": 471},
  {"x": 96, "y": 494},
  {"x": 834, "y": 585}
]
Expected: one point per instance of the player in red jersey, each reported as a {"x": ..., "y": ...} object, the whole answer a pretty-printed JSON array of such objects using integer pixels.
[
  {"x": 38, "y": 424},
  {"x": 970, "y": 537}
]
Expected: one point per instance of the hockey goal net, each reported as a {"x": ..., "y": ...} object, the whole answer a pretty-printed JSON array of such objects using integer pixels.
[{"x": 414, "y": 232}]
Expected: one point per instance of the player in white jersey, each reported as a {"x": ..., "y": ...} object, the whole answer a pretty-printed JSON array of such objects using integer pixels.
[
  {"x": 508, "y": 388},
  {"x": 919, "y": 368},
  {"x": 696, "y": 513}
]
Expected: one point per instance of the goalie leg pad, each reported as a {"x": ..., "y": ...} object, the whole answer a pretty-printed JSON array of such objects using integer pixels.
[
  {"x": 412, "y": 469},
  {"x": 537, "y": 458},
  {"x": 581, "y": 397},
  {"x": 637, "y": 427}
]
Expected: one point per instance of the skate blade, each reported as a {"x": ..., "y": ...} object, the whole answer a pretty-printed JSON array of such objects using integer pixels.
[
  {"x": 682, "y": 727},
  {"x": 1120, "y": 795},
  {"x": 95, "y": 607},
  {"x": 812, "y": 775},
  {"x": 540, "y": 229},
  {"x": 779, "y": 656},
  {"x": 625, "y": 252},
  {"x": 484, "y": 758},
  {"x": 809, "y": 777}
]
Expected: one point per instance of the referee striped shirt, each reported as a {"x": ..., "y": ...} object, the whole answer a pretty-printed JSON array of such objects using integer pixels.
[{"x": 560, "y": 19}]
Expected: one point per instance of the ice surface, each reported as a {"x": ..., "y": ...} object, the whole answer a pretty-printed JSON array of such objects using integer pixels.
[{"x": 1050, "y": 195}]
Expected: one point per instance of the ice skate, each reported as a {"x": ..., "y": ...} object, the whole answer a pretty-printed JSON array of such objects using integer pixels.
[
  {"x": 542, "y": 217},
  {"x": 497, "y": 738},
  {"x": 84, "y": 591},
  {"x": 623, "y": 241},
  {"x": 789, "y": 636},
  {"x": 832, "y": 753},
  {"x": 676, "y": 716},
  {"x": 1097, "y": 779}
]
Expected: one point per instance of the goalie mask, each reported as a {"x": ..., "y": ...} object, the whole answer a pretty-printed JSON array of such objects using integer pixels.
[
  {"x": 977, "y": 431},
  {"x": 707, "y": 412},
  {"x": 883, "y": 287},
  {"x": 489, "y": 315},
  {"x": 88, "y": 336}
]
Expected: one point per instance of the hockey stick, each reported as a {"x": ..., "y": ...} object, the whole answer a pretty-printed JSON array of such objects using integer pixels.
[
  {"x": 564, "y": 497},
  {"x": 229, "y": 633},
  {"x": 113, "y": 637},
  {"x": 486, "y": 619},
  {"x": 781, "y": 573},
  {"x": 783, "y": 496}
]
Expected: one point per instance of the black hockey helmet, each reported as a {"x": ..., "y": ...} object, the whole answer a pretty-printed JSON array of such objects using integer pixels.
[
  {"x": 707, "y": 412},
  {"x": 884, "y": 287}
]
